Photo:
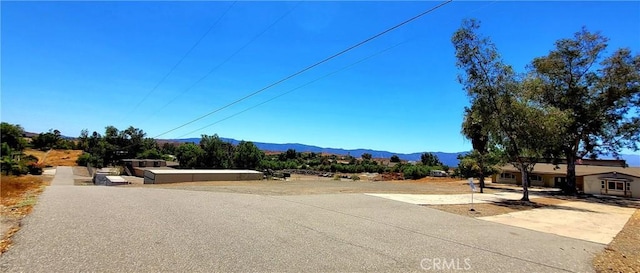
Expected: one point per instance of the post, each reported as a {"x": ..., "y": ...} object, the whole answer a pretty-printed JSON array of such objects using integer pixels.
[
  {"x": 472, "y": 209},
  {"x": 473, "y": 189}
]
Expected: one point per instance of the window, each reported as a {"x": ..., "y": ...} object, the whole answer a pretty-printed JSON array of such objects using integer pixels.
[
  {"x": 507, "y": 176},
  {"x": 616, "y": 185},
  {"x": 602, "y": 184},
  {"x": 536, "y": 177}
]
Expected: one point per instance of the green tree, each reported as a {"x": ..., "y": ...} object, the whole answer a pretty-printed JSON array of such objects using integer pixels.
[
  {"x": 247, "y": 155},
  {"x": 511, "y": 120},
  {"x": 83, "y": 140},
  {"x": 429, "y": 159},
  {"x": 217, "y": 153},
  {"x": 291, "y": 154},
  {"x": 469, "y": 165},
  {"x": 367, "y": 156},
  {"x": 169, "y": 148},
  {"x": 474, "y": 129},
  {"x": 49, "y": 140},
  {"x": 12, "y": 135},
  {"x": 394, "y": 158},
  {"x": 599, "y": 95},
  {"x": 190, "y": 156}
]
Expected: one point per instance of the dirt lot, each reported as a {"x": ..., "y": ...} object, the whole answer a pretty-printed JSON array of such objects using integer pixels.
[
  {"x": 318, "y": 185},
  {"x": 18, "y": 195},
  {"x": 623, "y": 253},
  {"x": 496, "y": 208}
]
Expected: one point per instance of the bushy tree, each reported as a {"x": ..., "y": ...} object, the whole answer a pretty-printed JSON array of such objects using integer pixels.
[
  {"x": 217, "y": 153},
  {"x": 190, "y": 155},
  {"x": 247, "y": 155},
  {"x": 469, "y": 165},
  {"x": 12, "y": 135},
  {"x": 429, "y": 159},
  {"x": 46, "y": 141},
  {"x": 598, "y": 94},
  {"x": 395, "y": 159}
]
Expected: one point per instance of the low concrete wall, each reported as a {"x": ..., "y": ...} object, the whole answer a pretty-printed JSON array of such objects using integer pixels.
[{"x": 174, "y": 176}]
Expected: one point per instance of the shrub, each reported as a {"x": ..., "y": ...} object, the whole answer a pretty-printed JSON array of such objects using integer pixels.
[
  {"x": 34, "y": 168},
  {"x": 355, "y": 177},
  {"x": 83, "y": 159},
  {"x": 336, "y": 177},
  {"x": 19, "y": 169}
]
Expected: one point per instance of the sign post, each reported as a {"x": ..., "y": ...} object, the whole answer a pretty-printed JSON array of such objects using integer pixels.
[{"x": 473, "y": 189}]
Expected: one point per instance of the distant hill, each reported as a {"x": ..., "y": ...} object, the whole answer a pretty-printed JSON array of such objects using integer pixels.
[{"x": 450, "y": 159}]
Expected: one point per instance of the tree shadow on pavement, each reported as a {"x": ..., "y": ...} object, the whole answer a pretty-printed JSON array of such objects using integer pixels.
[{"x": 527, "y": 205}]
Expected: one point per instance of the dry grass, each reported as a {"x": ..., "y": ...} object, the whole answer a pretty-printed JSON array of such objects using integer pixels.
[
  {"x": 56, "y": 157},
  {"x": 623, "y": 253},
  {"x": 17, "y": 197},
  {"x": 37, "y": 153},
  {"x": 62, "y": 157}
]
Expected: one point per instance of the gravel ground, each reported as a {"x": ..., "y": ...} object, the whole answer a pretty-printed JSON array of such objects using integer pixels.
[{"x": 315, "y": 185}]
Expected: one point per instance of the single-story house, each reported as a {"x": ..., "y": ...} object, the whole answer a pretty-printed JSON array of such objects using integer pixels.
[{"x": 590, "y": 179}]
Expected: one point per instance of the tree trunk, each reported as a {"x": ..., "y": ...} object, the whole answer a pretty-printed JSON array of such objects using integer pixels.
[
  {"x": 570, "y": 187},
  {"x": 525, "y": 188}
]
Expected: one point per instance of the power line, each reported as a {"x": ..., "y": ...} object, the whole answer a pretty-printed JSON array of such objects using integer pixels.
[
  {"x": 299, "y": 87},
  {"x": 182, "y": 58},
  {"x": 311, "y": 66},
  {"x": 227, "y": 59}
]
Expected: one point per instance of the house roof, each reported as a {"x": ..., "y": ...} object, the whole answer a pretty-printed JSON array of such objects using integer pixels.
[{"x": 581, "y": 170}]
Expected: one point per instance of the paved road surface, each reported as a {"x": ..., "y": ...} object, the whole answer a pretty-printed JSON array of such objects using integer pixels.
[
  {"x": 111, "y": 229},
  {"x": 64, "y": 176}
]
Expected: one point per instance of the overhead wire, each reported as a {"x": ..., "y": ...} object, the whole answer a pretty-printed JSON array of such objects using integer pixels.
[
  {"x": 311, "y": 66},
  {"x": 297, "y": 88},
  {"x": 155, "y": 87},
  {"x": 227, "y": 59}
]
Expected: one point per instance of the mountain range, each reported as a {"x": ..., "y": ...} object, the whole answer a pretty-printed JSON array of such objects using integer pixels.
[{"x": 449, "y": 159}]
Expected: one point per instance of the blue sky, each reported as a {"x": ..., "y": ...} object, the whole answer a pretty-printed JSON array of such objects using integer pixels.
[{"x": 76, "y": 65}]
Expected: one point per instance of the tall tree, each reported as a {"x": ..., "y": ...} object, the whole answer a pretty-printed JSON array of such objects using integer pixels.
[
  {"x": 189, "y": 156},
  {"x": 599, "y": 95},
  {"x": 510, "y": 119},
  {"x": 429, "y": 159},
  {"x": 12, "y": 135},
  {"x": 217, "y": 153},
  {"x": 472, "y": 129},
  {"x": 247, "y": 155}
]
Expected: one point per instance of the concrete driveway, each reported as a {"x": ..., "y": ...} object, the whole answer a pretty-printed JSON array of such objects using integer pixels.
[
  {"x": 452, "y": 199},
  {"x": 111, "y": 229},
  {"x": 593, "y": 222}
]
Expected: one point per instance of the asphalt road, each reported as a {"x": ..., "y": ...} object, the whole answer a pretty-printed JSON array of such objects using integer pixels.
[{"x": 111, "y": 229}]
